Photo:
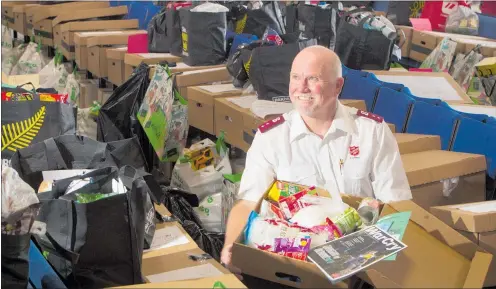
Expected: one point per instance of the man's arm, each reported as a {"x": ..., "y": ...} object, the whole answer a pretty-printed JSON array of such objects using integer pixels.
[
  {"x": 389, "y": 179},
  {"x": 258, "y": 175}
]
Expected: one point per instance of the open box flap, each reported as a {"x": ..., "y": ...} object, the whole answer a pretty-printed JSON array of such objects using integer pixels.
[
  {"x": 99, "y": 25},
  {"x": 470, "y": 221},
  {"x": 90, "y": 13},
  {"x": 430, "y": 166}
]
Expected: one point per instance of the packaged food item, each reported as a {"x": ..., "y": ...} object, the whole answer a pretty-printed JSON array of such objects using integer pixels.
[
  {"x": 292, "y": 204},
  {"x": 200, "y": 155},
  {"x": 271, "y": 35},
  {"x": 296, "y": 248},
  {"x": 348, "y": 222},
  {"x": 369, "y": 211}
]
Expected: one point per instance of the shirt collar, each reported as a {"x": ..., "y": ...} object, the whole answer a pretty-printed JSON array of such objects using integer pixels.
[{"x": 342, "y": 121}]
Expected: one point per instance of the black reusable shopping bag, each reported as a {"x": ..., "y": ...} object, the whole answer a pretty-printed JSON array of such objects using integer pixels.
[
  {"x": 173, "y": 27},
  {"x": 318, "y": 23},
  {"x": 15, "y": 261},
  {"x": 256, "y": 21},
  {"x": 75, "y": 152},
  {"x": 203, "y": 37},
  {"x": 270, "y": 67},
  {"x": 28, "y": 122},
  {"x": 158, "y": 38},
  {"x": 97, "y": 242},
  {"x": 360, "y": 48}
]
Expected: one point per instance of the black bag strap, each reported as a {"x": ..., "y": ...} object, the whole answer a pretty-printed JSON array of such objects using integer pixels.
[
  {"x": 60, "y": 251},
  {"x": 55, "y": 160}
]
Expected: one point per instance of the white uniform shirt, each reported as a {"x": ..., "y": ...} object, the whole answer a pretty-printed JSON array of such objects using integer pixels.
[{"x": 357, "y": 156}]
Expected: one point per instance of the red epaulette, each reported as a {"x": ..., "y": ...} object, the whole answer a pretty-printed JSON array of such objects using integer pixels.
[
  {"x": 266, "y": 126},
  {"x": 370, "y": 115}
]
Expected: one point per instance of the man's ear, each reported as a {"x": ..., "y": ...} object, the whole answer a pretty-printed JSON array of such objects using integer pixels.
[{"x": 339, "y": 85}]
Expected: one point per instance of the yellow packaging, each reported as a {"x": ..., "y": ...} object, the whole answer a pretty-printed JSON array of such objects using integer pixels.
[{"x": 486, "y": 66}]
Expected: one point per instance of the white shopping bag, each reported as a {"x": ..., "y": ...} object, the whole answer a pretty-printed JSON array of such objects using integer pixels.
[
  {"x": 210, "y": 213},
  {"x": 86, "y": 123},
  {"x": 72, "y": 89},
  {"x": 54, "y": 75},
  {"x": 31, "y": 62},
  {"x": 203, "y": 182}
]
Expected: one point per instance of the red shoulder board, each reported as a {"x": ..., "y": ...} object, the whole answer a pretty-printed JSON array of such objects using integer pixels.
[
  {"x": 266, "y": 126},
  {"x": 372, "y": 116}
]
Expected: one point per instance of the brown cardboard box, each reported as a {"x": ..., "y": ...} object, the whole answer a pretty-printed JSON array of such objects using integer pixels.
[
  {"x": 487, "y": 50},
  {"x": 428, "y": 173},
  {"x": 20, "y": 24},
  {"x": 437, "y": 256},
  {"x": 104, "y": 94},
  {"x": 132, "y": 60},
  {"x": 67, "y": 31},
  {"x": 45, "y": 12},
  {"x": 80, "y": 18},
  {"x": 88, "y": 92},
  {"x": 411, "y": 143},
  {"x": 479, "y": 226},
  {"x": 406, "y": 34},
  {"x": 162, "y": 210},
  {"x": 8, "y": 11},
  {"x": 199, "y": 77},
  {"x": 160, "y": 269},
  {"x": 228, "y": 280},
  {"x": 97, "y": 46},
  {"x": 180, "y": 67},
  {"x": 418, "y": 82},
  {"x": 175, "y": 240},
  {"x": 422, "y": 45},
  {"x": 115, "y": 64},
  {"x": 201, "y": 104}
]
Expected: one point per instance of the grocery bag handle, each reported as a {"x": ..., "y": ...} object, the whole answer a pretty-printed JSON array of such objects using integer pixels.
[
  {"x": 28, "y": 83},
  {"x": 58, "y": 250}
]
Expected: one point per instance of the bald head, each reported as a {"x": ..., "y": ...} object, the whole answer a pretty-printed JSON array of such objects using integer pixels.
[{"x": 320, "y": 56}]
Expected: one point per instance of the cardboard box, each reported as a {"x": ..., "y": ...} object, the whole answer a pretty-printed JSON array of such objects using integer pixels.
[
  {"x": 8, "y": 11},
  {"x": 437, "y": 256},
  {"x": 175, "y": 237},
  {"x": 487, "y": 50},
  {"x": 434, "y": 174},
  {"x": 160, "y": 269},
  {"x": 228, "y": 280},
  {"x": 67, "y": 31},
  {"x": 427, "y": 84},
  {"x": 88, "y": 92},
  {"x": 180, "y": 67},
  {"x": 104, "y": 94},
  {"x": 132, "y": 60},
  {"x": 411, "y": 143},
  {"x": 115, "y": 64},
  {"x": 97, "y": 46},
  {"x": 406, "y": 34},
  {"x": 20, "y": 23},
  {"x": 216, "y": 75},
  {"x": 476, "y": 221},
  {"x": 392, "y": 127},
  {"x": 45, "y": 12},
  {"x": 422, "y": 45},
  {"x": 162, "y": 210},
  {"x": 201, "y": 104}
]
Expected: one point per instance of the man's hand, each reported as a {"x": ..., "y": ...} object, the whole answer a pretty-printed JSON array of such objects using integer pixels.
[{"x": 225, "y": 259}]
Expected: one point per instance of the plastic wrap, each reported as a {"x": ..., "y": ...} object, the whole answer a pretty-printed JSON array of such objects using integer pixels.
[
  {"x": 210, "y": 213},
  {"x": 31, "y": 61}
]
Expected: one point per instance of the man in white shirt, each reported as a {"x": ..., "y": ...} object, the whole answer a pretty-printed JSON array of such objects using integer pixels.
[{"x": 321, "y": 143}]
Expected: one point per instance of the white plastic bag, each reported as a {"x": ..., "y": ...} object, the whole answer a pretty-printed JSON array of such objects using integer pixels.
[
  {"x": 7, "y": 43},
  {"x": 210, "y": 213},
  {"x": 72, "y": 89},
  {"x": 463, "y": 21},
  {"x": 31, "y": 61},
  {"x": 54, "y": 75},
  {"x": 206, "y": 181},
  {"x": 86, "y": 123},
  {"x": 11, "y": 51}
]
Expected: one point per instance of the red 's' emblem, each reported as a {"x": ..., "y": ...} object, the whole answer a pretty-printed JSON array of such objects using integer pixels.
[{"x": 354, "y": 151}]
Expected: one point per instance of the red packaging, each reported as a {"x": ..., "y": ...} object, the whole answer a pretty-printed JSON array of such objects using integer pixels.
[
  {"x": 292, "y": 204},
  {"x": 437, "y": 12},
  {"x": 48, "y": 97}
]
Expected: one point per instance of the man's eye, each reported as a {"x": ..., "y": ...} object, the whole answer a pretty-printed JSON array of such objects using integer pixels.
[
  {"x": 295, "y": 77},
  {"x": 313, "y": 79}
]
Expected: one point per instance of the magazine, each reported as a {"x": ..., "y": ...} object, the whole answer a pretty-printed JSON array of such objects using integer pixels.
[
  {"x": 395, "y": 225},
  {"x": 350, "y": 254}
]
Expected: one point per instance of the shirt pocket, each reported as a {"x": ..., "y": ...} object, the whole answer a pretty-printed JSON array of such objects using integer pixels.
[
  {"x": 301, "y": 174},
  {"x": 357, "y": 179}
]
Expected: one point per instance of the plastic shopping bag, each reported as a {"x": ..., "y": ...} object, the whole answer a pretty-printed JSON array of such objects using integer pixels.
[
  {"x": 54, "y": 75},
  {"x": 440, "y": 58},
  {"x": 11, "y": 54},
  {"x": 463, "y": 21},
  {"x": 201, "y": 168},
  {"x": 210, "y": 213},
  {"x": 72, "y": 88},
  {"x": 31, "y": 62}
]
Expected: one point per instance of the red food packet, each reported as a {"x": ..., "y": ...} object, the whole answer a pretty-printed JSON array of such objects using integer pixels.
[
  {"x": 24, "y": 96},
  {"x": 296, "y": 248},
  {"x": 274, "y": 207},
  {"x": 292, "y": 204}
]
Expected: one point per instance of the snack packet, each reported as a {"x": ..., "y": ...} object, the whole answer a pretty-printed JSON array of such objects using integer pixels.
[
  {"x": 271, "y": 35},
  {"x": 292, "y": 204},
  {"x": 296, "y": 248}
]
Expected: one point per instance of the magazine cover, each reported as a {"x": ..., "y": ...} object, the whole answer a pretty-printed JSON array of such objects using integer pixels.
[{"x": 353, "y": 253}]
